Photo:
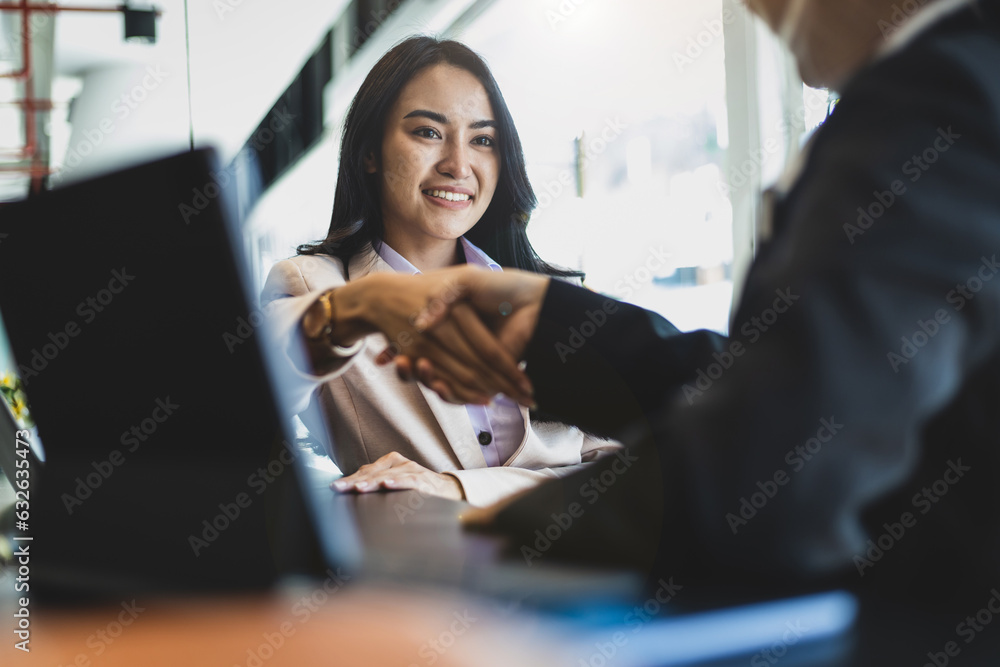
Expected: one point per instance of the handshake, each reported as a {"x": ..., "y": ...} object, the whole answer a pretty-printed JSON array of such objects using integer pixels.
[{"x": 461, "y": 331}]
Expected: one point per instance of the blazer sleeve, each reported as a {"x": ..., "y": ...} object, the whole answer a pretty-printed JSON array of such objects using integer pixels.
[
  {"x": 858, "y": 325},
  {"x": 291, "y": 287},
  {"x": 485, "y": 486},
  {"x": 605, "y": 365}
]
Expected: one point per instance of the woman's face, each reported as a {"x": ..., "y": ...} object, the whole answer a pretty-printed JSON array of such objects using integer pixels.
[{"x": 440, "y": 162}]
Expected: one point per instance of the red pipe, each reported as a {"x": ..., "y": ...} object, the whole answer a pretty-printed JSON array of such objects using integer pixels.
[
  {"x": 30, "y": 104},
  {"x": 35, "y": 105},
  {"x": 25, "y": 41},
  {"x": 30, "y": 144},
  {"x": 35, "y": 170},
  {"x": 63, "y": 8}
]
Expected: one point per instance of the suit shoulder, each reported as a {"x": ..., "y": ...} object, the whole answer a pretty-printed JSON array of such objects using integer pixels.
[
  {"x": 949, "y": 67},
  {"x": 302, "y": 274}
]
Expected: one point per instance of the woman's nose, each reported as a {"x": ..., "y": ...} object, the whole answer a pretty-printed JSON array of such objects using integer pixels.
[{"x": 455, "y": 161}]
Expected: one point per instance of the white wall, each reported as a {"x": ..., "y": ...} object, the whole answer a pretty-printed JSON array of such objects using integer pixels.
[{"x": 133, "y": 105}]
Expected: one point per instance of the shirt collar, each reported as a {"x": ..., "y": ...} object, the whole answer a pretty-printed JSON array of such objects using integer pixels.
[{"x": 400, "y": 264}]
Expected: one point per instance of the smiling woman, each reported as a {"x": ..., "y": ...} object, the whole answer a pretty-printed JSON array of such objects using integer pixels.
[
  {"x": 438, "y": 167},
  {"x": 431, "y": 175}
]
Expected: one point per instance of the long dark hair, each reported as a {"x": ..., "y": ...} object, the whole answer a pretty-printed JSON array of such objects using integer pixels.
[{"x": 357, "y": 210}]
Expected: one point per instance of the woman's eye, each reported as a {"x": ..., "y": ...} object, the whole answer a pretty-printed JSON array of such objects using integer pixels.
[
  {"x": 484, "y": 141},
  {"x": 427, "y": 133}
]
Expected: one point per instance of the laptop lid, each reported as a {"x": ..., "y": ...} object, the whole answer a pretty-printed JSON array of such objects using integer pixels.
[{"x": 164, "y": 446}]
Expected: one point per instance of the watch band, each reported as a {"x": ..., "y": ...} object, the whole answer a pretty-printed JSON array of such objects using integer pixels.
[{"x": 325, "y": 333}]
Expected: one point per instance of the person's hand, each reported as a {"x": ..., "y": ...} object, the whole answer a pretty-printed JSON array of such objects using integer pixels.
[
  {"x": 507, "y": 303},
  {"x": 395, "y": 471},
  {"x": 470, "y": 364}
]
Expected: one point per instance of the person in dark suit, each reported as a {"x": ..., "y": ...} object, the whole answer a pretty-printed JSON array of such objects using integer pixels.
[{"x": 849, "y": 427}]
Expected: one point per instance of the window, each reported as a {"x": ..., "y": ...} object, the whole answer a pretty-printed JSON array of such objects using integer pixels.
[{"x": 621, "y": 108}]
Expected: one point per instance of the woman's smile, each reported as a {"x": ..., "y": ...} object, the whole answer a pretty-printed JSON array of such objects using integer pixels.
[{"x": 452, "y": 198}]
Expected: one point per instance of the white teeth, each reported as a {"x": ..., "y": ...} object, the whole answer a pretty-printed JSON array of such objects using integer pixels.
[{"x": 450, "y": 196}]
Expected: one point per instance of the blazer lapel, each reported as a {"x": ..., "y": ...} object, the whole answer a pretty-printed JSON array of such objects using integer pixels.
[{"x": 454, "y": 421}]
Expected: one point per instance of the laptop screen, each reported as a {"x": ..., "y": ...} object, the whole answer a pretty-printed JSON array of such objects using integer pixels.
[{"x": 158, "y": 434}]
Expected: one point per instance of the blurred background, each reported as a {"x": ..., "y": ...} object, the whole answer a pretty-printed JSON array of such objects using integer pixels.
[{"x": 650, "y": 127}]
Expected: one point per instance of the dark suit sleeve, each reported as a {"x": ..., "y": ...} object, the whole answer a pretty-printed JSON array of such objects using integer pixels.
[
  {"x": 587, "y": 363},
  {"x": 874, "y": 307}
]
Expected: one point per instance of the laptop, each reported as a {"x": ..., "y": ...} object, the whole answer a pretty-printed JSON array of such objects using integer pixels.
[
  {"x": 171, "y": 462},
  {"x": 167, "y": 458}
]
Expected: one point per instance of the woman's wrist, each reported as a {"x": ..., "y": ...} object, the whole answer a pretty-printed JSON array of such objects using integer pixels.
[
  {"x": 351, "y": 320},
  {"x": 333, "y": 325},
  {"x": 453, "y": 488}
]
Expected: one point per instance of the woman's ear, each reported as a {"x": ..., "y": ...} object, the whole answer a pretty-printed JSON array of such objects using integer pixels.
[{"x": 371, "y": 164}]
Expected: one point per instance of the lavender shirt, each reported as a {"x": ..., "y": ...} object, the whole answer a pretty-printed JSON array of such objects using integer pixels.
[{"x": 499, "y": 428}]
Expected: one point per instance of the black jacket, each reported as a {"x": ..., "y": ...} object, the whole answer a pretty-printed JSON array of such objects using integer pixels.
[{"x": 858, "y": 397}]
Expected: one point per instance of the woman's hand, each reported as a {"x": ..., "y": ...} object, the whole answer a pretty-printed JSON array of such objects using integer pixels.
[
  {"x": 483, "y": 307},
  {"x": 395, "y": 471},
  {"x": 465, "y": 355}
]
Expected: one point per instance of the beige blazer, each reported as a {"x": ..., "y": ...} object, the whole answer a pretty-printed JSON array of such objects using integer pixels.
[{"x": 370, "y": 412}]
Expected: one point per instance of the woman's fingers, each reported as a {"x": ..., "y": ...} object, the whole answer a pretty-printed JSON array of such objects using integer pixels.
[
  {"x": 402, "y": 473},
  {"x": 364, "y": 478},
  {"x": 404, "y": 368},
  {"x": 448, "y": 389},
  {"x": 492, "y": 353},
  {"x": 487, "y": 378},
  {"x": 386, "y": 356}
]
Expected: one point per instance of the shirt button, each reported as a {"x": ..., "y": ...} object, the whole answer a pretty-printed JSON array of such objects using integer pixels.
[{"x": 485, "y": 438}]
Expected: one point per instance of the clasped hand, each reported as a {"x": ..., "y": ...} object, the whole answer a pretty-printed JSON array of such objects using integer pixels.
[{"x": 461, "y": 330}]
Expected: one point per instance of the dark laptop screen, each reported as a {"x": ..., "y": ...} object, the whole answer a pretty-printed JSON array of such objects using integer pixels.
[{"x": 153, "y": 426}]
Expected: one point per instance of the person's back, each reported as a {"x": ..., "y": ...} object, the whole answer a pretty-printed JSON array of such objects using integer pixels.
[
  {"x": 856, "y": 434},
  {"x": 891, "y": 238}
]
